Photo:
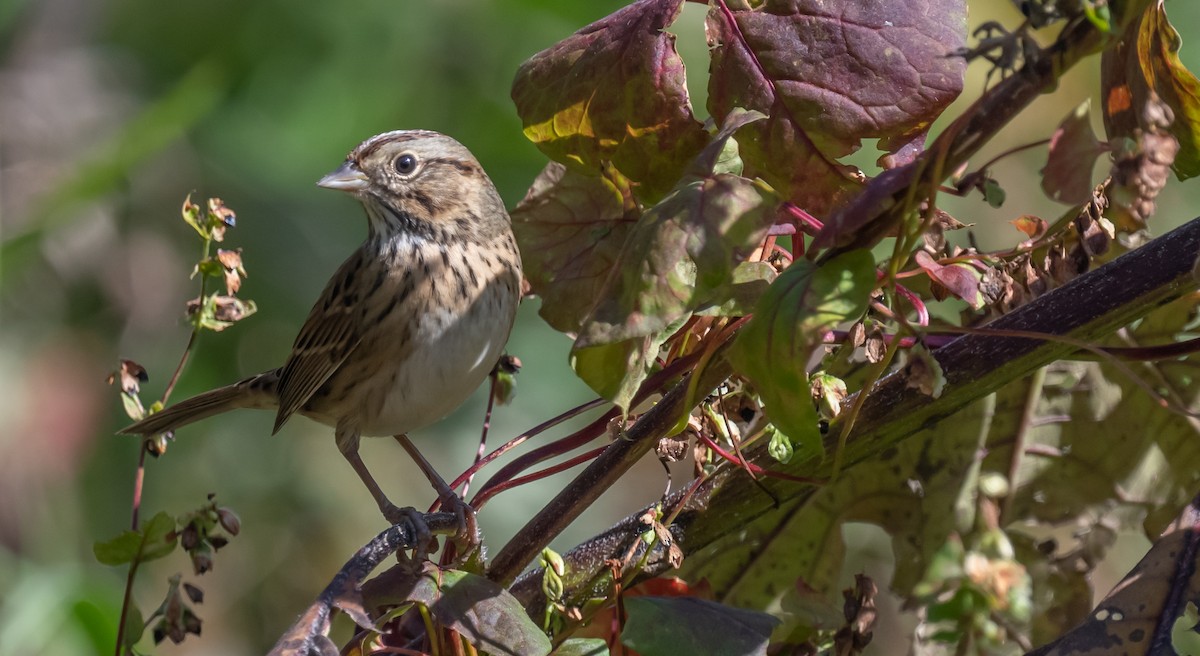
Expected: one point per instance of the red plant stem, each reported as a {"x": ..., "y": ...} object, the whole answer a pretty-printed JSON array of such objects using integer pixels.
[
  {"x": 558, "y": 447},
  {"x": 532, "y": 432},
  {"x": 187, "y": 351},
  {"x": 583, "y": 435},
  {"x": 916, "y": 302},
  {"x": 139, "y": 478},
  {"x": 1157, "y": 352},
  {"x": 487, "y": 424},
  {"x": 125, "y": 603},
  {"x": 803, "y": 221},
  {"x": 493, "y": 490},
  {"x": 784, "y": 252}
]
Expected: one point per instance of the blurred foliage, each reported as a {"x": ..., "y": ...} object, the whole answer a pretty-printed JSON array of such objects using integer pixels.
[{"x": 112, "y": 112}]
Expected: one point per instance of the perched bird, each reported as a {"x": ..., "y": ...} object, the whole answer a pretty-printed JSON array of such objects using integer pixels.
[{"x": 410, "y": 324}]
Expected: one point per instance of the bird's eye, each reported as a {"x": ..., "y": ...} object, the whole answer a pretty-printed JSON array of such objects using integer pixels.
[{"x": 406, "y": 164}]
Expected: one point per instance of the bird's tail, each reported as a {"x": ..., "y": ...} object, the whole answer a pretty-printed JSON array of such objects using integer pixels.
[{"x": 254, "y": 392}]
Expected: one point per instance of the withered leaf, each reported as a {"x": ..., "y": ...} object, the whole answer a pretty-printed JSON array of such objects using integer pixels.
[
  {"x": 131, "y": 374},
  {"x": 960, "y": 279},
  {"x": 1144, "y": 65}
]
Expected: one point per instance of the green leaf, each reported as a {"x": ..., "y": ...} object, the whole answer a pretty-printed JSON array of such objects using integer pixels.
[
  {"x": 615, "y": 91},
  {"x": 211, "y": 267},
  {"x": 119, "y": 550},
  {"x": 219, "y": 311},
  {"x": 993, "y": 193},
  {"x": 776, "y": 344},
  {"x": 133, "y": 406},
  {"x": 191, "y": 216},
  {"x": 155, "y": 539},
  {"x": 616, "y": 371},
  {"x": 1184, "y": 639},
  {"x": 680, "y": 256},
  {"x": 750, "y": 281},
  {"x": 135, "y": 626},
  {"x": 582, "y": 647},
  {"x": 687, "y": 625}
]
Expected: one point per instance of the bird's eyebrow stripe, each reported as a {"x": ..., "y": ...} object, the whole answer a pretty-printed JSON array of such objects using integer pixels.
[
  {"x": 366, "y": 149},
  {"x": 463, "y": 167}
]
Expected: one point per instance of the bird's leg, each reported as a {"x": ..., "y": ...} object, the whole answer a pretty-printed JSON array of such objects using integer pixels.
[
  {"x": 468, "y": 528},
  {"x": 348, "y": 445}
]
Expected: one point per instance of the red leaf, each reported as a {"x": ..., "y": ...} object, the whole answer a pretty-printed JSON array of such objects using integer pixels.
[{"x": 960, "y": 280}]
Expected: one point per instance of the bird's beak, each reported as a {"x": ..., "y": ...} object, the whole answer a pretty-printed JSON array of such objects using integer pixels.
[{"x": 346, "y": 178}]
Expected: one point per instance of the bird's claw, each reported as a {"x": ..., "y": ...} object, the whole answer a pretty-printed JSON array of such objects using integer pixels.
[
  {"x": 422, "y": 536},
  {"x": 467, "y": 536}
]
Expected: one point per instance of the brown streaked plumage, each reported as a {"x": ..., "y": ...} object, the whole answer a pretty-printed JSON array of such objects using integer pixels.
[{"x": 411, "y": 323}]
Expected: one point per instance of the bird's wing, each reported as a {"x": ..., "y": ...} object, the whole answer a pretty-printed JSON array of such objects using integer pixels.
[{"x": 329, "y": 335}]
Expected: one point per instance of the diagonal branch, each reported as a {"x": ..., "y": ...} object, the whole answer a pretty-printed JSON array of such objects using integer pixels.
[
  {"x": 1091, "y": 306},
  {"x": 605, "y": 470}
]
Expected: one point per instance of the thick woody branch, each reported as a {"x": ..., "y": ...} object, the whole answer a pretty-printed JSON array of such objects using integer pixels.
[
  {"x": 1092, "y": 306},
  {"x": 310, "y": 633}
]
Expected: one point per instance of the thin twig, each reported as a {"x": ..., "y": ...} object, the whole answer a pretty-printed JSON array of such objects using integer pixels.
[{"x": 1028, "y": 413}]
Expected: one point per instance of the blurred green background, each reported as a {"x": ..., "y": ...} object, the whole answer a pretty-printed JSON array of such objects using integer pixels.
[{"x": 111, "y": 112}]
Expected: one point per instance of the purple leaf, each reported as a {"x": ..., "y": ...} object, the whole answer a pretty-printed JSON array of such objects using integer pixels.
[
  {"x": 829, "y": 75},
  {"x": 571, "y": 229}
]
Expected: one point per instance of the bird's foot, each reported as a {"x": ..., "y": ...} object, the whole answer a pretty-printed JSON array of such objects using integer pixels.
[
  {"x": 467, "y": 537},
  {"x": 422, "y": 536}
]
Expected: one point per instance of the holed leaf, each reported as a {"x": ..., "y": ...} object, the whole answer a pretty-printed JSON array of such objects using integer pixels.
[
  {"x": 615, "y": 91},
  {"x": 1146, "y": 63},
  {"x": 829, "y": 75},
  {"x": 687, "y": 625},
  {"x": 774, "y": 347}
]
